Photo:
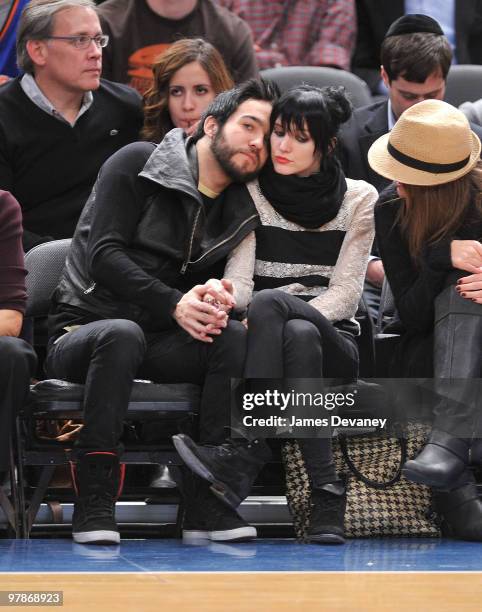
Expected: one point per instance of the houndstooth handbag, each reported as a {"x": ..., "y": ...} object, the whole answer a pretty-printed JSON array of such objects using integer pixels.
[{"x": 380, "y": 501}]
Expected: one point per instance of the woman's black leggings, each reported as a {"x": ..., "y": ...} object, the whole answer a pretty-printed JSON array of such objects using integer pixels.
[{"x": 288, "y": 338}]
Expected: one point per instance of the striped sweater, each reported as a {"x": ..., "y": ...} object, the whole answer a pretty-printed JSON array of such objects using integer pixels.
[{"x": 325, "y": 266}]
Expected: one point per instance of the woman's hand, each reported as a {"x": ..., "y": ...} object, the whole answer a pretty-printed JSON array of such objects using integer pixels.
[
  {"x": 466, "y": 255},
  {"x": 470, "y": 287},
  {"x": 191, "y": 129}
]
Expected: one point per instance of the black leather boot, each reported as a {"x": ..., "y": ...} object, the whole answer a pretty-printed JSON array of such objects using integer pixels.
[
  {"x": 461, "y": 511},
  {"x": 98, "y": 479},
  {"x": 231, "y": 468},
  {"x": 328, "y": 504},
  {"x": 457, "y": 361},
  {"x": 476, "y": 451},
  {"x": 441, "y": 461}
]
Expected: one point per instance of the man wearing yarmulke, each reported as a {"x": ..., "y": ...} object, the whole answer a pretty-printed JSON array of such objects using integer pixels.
[
  {"x": 461, "y": 20},
  {"x": 415, "y": 60}
]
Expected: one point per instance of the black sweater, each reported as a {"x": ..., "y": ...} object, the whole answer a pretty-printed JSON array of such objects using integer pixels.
[
  {"x": 49, "y": 166},
  {"x": 414, "y": 289}
]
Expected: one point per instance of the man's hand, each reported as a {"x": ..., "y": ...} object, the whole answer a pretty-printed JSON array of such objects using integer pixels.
[
  {"x": 200, "y": 319},
  {"x": 375, "y": 272},
  {"x": 470, "y": 287},
  {"x": 220, "y": 294},
  {"x": 466, "y": 255},
  {"x": 10, "y": 322}
]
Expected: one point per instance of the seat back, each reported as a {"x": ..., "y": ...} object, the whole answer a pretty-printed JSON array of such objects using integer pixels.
[
  {"x": 44, "y": 264},
  {"x": 320, "y": 76},
  {"x": 387, "y": 307},
  {"x": 464, "y": 84}
]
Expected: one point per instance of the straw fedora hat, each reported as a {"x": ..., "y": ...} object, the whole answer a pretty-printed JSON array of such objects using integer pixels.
[{"x": 430, "y": 144}]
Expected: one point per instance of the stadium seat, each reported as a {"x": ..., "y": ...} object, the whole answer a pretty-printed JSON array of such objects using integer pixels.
[
  {"x": 9, "y": 501},
  {"x": 464, "y": 84},
  {"x": 320, "y": 76},
  {"x": 388, "y": 328}
]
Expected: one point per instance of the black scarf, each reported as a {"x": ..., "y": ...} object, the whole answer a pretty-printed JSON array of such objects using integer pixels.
[{"x": 308, "y": 201}]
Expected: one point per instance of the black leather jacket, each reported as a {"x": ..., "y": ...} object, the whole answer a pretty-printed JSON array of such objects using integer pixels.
[{"x": 144, "y": 235}]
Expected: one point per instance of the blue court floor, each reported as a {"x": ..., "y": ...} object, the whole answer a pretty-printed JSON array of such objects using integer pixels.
[{"x": 264, "y": 555}]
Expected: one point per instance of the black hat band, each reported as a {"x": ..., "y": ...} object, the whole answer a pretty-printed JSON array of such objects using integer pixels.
[{"x": 417, "y": 164}]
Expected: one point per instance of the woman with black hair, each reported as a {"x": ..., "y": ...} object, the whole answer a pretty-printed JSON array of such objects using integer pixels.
[
  {"x": 429, "y": 232},
  {"x": 306, "y": 262}
]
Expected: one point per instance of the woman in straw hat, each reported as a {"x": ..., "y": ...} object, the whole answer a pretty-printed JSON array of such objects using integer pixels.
[{"x": 429, "y": 228}]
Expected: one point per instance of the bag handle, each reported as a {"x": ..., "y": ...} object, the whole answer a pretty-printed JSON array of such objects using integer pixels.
[{"x": 374, "y": 483}]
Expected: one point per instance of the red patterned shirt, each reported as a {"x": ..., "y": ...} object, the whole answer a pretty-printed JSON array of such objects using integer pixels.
[{"x": 299, "y": 32}]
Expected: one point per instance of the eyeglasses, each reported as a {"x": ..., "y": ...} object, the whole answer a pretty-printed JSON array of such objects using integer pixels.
[{"x": 82, "y": 41}]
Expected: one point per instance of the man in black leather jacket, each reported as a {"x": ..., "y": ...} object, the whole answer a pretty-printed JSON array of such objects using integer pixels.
[{"x": 147, "y": 251}]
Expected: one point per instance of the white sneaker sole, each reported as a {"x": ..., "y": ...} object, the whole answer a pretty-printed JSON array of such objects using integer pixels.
[
  {"x": 96, "y": 537},
  {"x": 229, "y": 535}
]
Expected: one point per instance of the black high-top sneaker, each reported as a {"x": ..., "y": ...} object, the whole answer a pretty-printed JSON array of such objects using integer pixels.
[
  {"x": 327, "y": 514},
  {"x": 231, "y": 468},
  {"x": 206, "y": 517},
  {"x": 97, "y": 478}
]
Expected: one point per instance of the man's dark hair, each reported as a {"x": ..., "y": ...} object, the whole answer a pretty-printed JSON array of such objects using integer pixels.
[
  {"x": 416, "y": 56},
  {"x": 227, "y": 102}
]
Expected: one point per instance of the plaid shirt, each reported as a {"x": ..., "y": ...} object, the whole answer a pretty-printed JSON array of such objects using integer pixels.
[{"x": 299, "y": 32}]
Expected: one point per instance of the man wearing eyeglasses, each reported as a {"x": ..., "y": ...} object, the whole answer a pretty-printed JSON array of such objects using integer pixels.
[{"x": 59, "y": 122}]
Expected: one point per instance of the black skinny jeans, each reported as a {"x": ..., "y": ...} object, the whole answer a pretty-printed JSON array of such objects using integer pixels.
[
  {"x": 288, "y": 338},
  {"x": 17, "y": 365},
  {"x": 107, "y": 355}
]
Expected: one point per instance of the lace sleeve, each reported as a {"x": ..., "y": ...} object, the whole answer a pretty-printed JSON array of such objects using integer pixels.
[
  {"x": 240, "y": 270},
  {"x": 340, "y": 300}
]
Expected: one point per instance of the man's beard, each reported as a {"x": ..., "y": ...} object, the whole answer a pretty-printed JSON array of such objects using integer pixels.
[{"x": 223, "y": 154}]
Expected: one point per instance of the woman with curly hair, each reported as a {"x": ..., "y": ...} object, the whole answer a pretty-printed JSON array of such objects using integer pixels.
[{"x": 187, "y": 77}]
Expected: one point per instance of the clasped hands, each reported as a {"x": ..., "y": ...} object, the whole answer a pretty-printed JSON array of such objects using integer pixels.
[
  {"x": 467, "y": 255},
  {"x": 203, "y": 311}
]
